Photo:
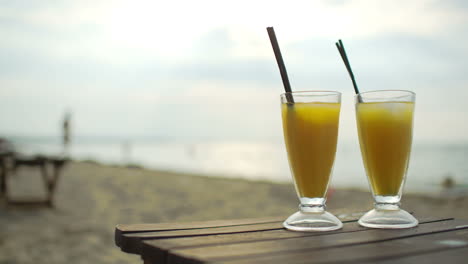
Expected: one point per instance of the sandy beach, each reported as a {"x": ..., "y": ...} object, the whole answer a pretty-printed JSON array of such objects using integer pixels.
[{"x": 92, "y": 198}]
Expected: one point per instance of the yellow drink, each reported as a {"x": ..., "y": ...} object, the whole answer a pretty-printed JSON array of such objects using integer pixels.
[
  {"x": 385, "y": 135},
  {"x": 310, "y": 133}
]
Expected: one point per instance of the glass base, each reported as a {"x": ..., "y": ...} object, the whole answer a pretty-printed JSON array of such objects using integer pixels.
[
  {"x": 312, "y": 221},
  {"x": 393, "y": 219}
]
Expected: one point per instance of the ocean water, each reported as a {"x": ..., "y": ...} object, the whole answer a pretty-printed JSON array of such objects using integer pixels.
[{"x": 430, "y": 163}]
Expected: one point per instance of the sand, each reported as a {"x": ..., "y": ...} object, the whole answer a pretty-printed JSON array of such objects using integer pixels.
[{"x": 92, "y": 198}]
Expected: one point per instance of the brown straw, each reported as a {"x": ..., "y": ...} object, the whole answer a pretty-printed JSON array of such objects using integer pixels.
[
  {"x": 279, "y": 60},
  {"x": 342, "y": 51}
]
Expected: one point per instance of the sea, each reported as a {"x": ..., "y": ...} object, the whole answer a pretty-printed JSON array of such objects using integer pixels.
[{"x": 430, "y": 165}]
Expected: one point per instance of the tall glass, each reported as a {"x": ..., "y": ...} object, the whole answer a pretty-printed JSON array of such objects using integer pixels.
[
  {"x": 385, "y": 128},
  {"x": 310, "y": 126}
]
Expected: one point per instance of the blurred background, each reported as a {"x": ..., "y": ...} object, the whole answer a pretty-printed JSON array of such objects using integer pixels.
[
  {"x": 146, "y": 92},
  {"x": 194, "y": 86}
]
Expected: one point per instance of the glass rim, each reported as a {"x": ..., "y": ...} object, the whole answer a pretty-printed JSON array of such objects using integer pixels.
[
  {"x": 316, "y": 92},
  {"x": 378, "y": 91}
]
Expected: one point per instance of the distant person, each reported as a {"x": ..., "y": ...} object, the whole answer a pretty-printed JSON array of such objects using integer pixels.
[
  {"x": 126, "y": 152},
  {"x": 191, "y": 151},
  {"x": 66, "y": 124},
  {"x": 448, "y": 182}
]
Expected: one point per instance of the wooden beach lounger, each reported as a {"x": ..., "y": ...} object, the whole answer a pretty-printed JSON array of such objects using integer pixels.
[{"x": 41, "y": 162}]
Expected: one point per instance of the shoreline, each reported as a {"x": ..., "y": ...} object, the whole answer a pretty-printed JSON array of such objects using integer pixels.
[
  {"x": 431, "y": 163},
  {"x": 455, "y": 190}
]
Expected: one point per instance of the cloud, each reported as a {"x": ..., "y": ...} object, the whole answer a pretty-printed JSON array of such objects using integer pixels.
[
  {"x": 386, "y": 61},
  {"x": 204, "y": 73},
  {"x": 452, "y": 4},
  {"x": 219, "y": 109}
]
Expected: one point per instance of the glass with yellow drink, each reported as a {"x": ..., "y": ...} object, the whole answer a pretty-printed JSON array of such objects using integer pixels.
[
  {"x": 385, "y": 128},
  {"x": 310, "y": 126}
]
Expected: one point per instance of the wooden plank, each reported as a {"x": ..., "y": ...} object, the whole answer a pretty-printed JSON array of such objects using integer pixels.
[
  {"x": 129, "y": 237},
  {"x": 369, "y": 252},
  {"x": 248, "y": 250},
  {"x": 445, "y": 255},
  {"x": 246, "y": 236},
  {"x": 122, "y": 229},
  {"x": 132, "y": 243},
  {"x": 134, "y": 228},
  {"x": 157, "y": 250}
]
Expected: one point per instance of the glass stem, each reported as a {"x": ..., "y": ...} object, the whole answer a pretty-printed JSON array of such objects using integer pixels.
[
  {"x": 387, "y": 203},
  {"x": 312, "y": 205}
]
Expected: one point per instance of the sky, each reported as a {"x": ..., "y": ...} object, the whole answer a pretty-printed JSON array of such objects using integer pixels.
[{"x": 206, "y": 70}]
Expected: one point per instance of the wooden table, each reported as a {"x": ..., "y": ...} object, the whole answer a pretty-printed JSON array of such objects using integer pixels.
[{"x": 264, "y": 240}]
